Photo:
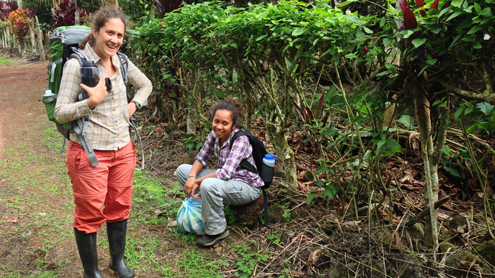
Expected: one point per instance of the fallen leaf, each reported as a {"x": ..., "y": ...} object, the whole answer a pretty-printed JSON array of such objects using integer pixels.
[
  {"x": 314, "y": 257},
  {"x": 51, "y": 266},
  {"x": 14, "y": 219},
  {"x": 331, "y": 217},
  {"x": 300, "y": 176},
  {"x": 382, "y": 214},
  {"x": 299, "y": 239},
  {"x": 461, "y": 239},
  {"x": 469, "y": 265}
]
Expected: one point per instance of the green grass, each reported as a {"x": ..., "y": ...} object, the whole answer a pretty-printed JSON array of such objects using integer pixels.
[
  {"x": 153, "y": 249},
  {"x": 4, "y": 61}
]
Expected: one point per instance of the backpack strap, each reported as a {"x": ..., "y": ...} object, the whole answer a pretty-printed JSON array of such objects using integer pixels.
[
  {"x": 265, "y": 207},
  {"x": 244, "y": 163},
  {"x": 248, "y": 166},
  {"x": 80, "y": 125},
  {"x": 137, "y": 137},
  {"x": 52, "y": 66},
  {"x": 79, "y": 54},
  {"x": 124, "y": 65}
]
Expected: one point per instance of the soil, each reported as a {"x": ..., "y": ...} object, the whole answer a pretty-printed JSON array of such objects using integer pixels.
[{"x": 318, "y": 242}]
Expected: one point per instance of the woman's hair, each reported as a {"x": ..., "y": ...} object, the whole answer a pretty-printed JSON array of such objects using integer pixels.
[
  {"x": 228, "y": 104},
  {"x": 99, "y": 20}
]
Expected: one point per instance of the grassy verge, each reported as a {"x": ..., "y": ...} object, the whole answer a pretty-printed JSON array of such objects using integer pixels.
[{"x": 4, "y": 61}]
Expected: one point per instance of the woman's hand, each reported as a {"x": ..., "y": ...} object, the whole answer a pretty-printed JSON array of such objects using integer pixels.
[
  {"x": 132, "y": 108},
  {"x": 96, "y": 94},
  {"x": 192, "y": 187}
]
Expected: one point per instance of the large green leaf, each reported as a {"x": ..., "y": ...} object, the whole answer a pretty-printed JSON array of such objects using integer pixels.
[
  {"x": 297, "y": 32},
  {"x": 418, "y": 42}
]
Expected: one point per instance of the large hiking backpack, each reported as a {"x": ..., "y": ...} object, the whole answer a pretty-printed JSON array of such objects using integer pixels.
[
  {"x": 259, "y": 152},
  {"x": 64, "y": 45}
]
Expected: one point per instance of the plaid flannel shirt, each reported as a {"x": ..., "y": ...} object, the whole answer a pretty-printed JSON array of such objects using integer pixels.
[
  {"x": 229, "y": 159},
  {"x": 108, "y": 127}
]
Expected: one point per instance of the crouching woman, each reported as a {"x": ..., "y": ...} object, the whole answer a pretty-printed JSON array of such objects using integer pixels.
[{"x": 229, "y": 183}]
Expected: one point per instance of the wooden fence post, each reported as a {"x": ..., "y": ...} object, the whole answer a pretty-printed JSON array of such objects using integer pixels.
[
  {"x": 31, "y": 34},
  {"x": 40, "y": 40}
]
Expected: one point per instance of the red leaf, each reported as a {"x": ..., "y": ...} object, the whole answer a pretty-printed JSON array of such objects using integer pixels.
[
  {"x": 309, "y": 115},
  {"x": 434, "y": 5},
  {"x": 409, "y": 18},
  {"x": 420, "y": 5},
  {"x": 320, "y": 104},
  {"x": 299, "y": 110}
]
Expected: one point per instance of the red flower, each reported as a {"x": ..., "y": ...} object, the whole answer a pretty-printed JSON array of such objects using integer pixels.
[
  {"x": 365, "y": 48},
  {"x": 158, "y": 128},
  {"x": 161, "y": 23}
]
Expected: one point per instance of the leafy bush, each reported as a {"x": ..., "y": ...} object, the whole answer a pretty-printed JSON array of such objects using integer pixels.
[
  {"x": 6, "y": 8},
  {"x": 64, "y": 14},
  {"x": 42, "y": 11},
  {"x": 19, "y": 22},
  {"x": 90, "y": 5},
  {"x": 134, "y": 9}
]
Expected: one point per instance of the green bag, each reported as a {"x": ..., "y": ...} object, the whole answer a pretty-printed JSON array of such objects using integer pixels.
[{"x": 62, "y": 42}]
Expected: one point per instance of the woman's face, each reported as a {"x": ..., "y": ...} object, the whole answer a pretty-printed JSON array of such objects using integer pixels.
[
  {"x": 222, "y": 124},
  {"x": 109, "y": 38}
]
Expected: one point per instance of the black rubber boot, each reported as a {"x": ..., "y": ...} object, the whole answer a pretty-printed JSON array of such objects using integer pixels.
[
  {"x": 116, "y": 240},
  {"x": 86, "y": 244}
]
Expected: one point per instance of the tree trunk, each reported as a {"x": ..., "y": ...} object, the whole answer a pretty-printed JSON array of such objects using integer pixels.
[
  {"x": 31, "y": 35},
  {"x": 278, "y": 138},
  {"x": 40, "y": 40},
  {"x": 422, "y": 106}
]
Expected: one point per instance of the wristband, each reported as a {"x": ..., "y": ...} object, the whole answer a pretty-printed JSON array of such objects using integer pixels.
[
  {"x": 191, "y": 176},
  {"x": 138, "y": 105}
]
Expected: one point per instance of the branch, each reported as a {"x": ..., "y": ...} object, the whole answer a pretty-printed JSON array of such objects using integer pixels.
[
  {"x": 486, "y": 75},
  {"x": 487, "y": 95},
  {"x": 425, "y": 212},
  {"x": 440, "y": 140}
]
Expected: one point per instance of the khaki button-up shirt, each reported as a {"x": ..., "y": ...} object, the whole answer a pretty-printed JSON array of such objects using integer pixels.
[{"x": 108, "y": 127}]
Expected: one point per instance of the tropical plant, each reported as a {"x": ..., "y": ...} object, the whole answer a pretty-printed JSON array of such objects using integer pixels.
[
  {"x": 163, "y": 7},
  {"x": 64, "y": 14},
  {"x": 6, "y": 8},
  {"x": 19, "y": 22}
]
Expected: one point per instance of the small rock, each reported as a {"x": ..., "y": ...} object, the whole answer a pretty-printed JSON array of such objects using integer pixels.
[
  {"x": 486, "y": 250},
  {"x": 172, "y": 224},
  {"x": 444, "y": 246},
  {"x": 275, "y": 213},
  {"x": 416, "y": 231},
  {"x": 457, "y": 222},
  {"x": 308, "y": 176}
]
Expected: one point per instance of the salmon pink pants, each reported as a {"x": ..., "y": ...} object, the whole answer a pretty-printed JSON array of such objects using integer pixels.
[{"x": 101, "y": 193}]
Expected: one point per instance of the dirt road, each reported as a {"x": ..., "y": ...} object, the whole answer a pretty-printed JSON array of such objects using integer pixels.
[{"x": 35, "y": 199}]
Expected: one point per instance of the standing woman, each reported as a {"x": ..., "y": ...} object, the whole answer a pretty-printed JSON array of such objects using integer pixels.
[
  {"x": 102, "y": 193},
  {"x": 229, "y": 183}
]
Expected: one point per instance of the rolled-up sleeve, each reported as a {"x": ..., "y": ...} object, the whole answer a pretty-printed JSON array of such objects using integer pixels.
[
  {"x": 206, "y": 150},
  {"x": 68, "y": 108},
  {"x": 241, "y": 149},
  {"x": 142, "y": 84}
]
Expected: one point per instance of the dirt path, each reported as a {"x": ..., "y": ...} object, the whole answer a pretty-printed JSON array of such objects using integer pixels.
[{"x": 34, "y": 189}]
